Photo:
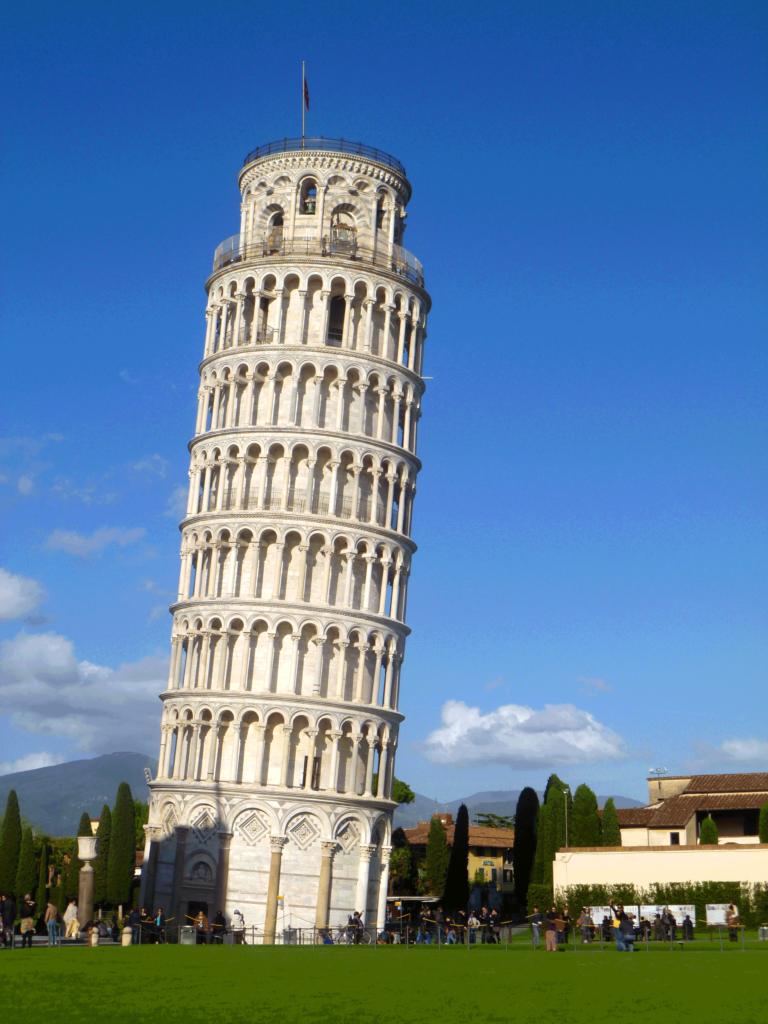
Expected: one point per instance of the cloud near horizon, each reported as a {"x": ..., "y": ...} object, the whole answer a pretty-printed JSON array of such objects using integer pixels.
[
  {"x": 46, "y": 691},
  {"x": 31, "y": 761},
  {"x": 521, "y": 737}
]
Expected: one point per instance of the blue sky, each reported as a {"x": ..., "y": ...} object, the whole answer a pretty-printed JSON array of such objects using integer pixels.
[{"x": 589, "y": 206}]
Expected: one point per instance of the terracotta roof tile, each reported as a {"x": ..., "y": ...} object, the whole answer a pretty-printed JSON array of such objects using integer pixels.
[
  {"x": 677, "y": 811},
  {"x": 500, "y": 838},
  {"x": 745, "y": 782}
]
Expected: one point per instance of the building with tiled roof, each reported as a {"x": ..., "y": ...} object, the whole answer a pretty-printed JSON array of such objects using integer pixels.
[
  {"x": 490, "y": 850},
  {"x": 678, "y": 805},
  {"x": 659, "y": 842}
]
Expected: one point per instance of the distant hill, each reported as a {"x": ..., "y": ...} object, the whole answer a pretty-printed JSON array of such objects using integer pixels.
[
  {"x": 502, "y": 802},
  {"x": 53, "y": 799}
]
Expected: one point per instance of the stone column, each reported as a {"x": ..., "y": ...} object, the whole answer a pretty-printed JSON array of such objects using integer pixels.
[
  {"x": 401, "y": 340},
  {"x": 222, "y": 872},
  {"x": 382, "y": 393},
  {"x": 368, "y": 304},
  {"x": 325, "y": 296},
  {"x": 368, "y": 791},
  {"x": 360, "y": 675},
  {"x": 311, "y": 735},
  {"x": 388, "y": 681},
  {"x": 273, "y": 888},
  {"x": 154, "y": 836},
  {"x": 333, "y": 772},
  {"x": 270, "y": 662},
  {"x": 381, "y": 784},
  {"x": 87, "y": 850},
  {"x": 397, "y": 398},
  {"x": 388, "y": 311},
  {"x": 341, "y": 670},
  {"x": 350, "y": 557},
  {"x": 239, "y": 729},
  {"x": 369, "y": 560},
  {"x": 182, "y": 831},
  {"x": 214, "y": 735},
  {"x": 346, "y": 331},
  {"x": 355, "y": 737},
  {"x": 361, "y": 896},
  {"x": 324, "y": 887},
  {"x": 192, "y": 766},
  {"x": 286, "y": 756},
  {"x": 381, "y": 911},
  {"x": 379, "y": 652},
  {"x": 259, "y": 757}
]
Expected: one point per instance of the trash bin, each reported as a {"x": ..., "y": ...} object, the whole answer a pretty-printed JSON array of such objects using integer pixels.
[
  {"x": 127, "y": 935},
  {"x": 762, "y": 933},
  {"x": 187, "y": 935}
]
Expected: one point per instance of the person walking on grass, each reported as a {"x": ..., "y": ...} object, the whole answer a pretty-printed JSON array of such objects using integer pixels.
[
  {"x": 72, "y": 925},
  {"x": 52, "y": 924},
  {"x": 618, "y": 917},
  {"x": 27, "y": 915}
]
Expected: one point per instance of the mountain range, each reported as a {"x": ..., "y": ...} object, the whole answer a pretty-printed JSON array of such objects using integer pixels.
[{"x": 53, "y": 799}]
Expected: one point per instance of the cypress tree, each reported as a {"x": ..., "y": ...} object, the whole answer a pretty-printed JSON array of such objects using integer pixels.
[
  {"x": 457, "y": 879},
  {"x": 762, "y": 828},
  {"x": 524, "y": 850},
  {"x": 551, "y": 835},
  {"x": 100, "y": 864},
  {"x": 611, "y": 830},
  {"x": 437, "y": 857},
  {"x": 122, "y": 848},
  {"x": 41, "y": 896},
  {"x": 708, "y": 833},
  {"x": 584, "y": 821},
  {"x": 141, "y": 808},
  {"x": 26, "y": 873},
  {"x": 10, "y": 845}
]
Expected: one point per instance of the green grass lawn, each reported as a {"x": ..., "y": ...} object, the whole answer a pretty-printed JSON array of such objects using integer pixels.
[{"x": 223, "y": 984}]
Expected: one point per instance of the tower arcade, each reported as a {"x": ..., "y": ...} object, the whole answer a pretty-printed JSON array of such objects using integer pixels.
[{"x": 280, "y": 719}]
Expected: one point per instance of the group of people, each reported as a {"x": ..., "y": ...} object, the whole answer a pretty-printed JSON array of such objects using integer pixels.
[
  {"x": 26, "y": 913},
  {"x": 438, "y": 927},
  {"x": 215, "y": 930},
  {"x": 57, "y": 925},
  {"x": 620, "y": 927}
]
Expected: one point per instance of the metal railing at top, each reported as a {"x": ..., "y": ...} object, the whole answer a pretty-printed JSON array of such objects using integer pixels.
[
  {"x": 387, "y": 256},
  {"x": 326, "y": 145}
]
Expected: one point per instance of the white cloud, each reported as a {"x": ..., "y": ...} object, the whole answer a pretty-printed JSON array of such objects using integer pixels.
[
  {"x": 176, "y": 507},
  {"x": 125, "y": 376},
  {"x": 521, "y": 737},
  {"x": 31, "y": 761},
  {"x": 18, "y": 596},
  {"x": 76, "y": 544},
  {"x": 48, "y": 692},
  {"x": 744, "y": 751},
  {"x": 733, "y": 752},
  {"x": 594, "y": 685},
  {"x": 26, "y": 484},
  {"x": 151, "y": 465}
]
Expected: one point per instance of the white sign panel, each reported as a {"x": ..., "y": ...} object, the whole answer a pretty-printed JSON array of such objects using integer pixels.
[
  {"x": 598, "y": 913},
  {"x": 716, "y": 912},
  {"x": 678, "y": 911}
]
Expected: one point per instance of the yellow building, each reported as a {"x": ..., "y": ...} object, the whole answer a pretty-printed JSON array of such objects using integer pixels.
[{"x": 490, "y": 851}]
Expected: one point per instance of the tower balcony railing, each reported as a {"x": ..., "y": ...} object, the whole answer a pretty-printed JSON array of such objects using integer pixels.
[
  {"x": 320, "y": 505},
  {"x": 323, "y": 144},
  {"x": 386, "y": 255}
]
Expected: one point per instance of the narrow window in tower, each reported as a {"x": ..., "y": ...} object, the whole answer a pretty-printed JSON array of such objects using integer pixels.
[
  {"x": 308, "y": 201},
  {"x": 336, "y": 320},
  {"x": 316, "y": 773},
  {"x": 274, "y": 239}
]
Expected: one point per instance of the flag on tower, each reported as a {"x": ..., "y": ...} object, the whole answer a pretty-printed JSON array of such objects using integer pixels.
[{"x": 306, "y": 94}]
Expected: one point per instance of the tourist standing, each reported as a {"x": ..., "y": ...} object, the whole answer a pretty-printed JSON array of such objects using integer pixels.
[
  {"x": 536, "y": 922},
  {"x": 134, "y": 922},
  {"x": 550, "y": 932},
  {"x": 732, "y": 920},
  {"x": 27, "y": 915},
  {"x": 586, "y": 924},
  {"x": 52, "y": 924},
  {"x": 201, "y": 928},
  {"x": 687, "y": 928},
  {"x": 218, "y": 928},
  {"x": 72, "y": 929},
  {"x": 238, "y": 928}
]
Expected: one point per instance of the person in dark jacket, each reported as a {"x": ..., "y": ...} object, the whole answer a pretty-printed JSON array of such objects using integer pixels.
[
  {"x": 618, "y": 917},
  {"x": 627, "y": 932},
  {"x": 536, "y": 922},
  {"x": 218, "y": 928},
  {"x": 134, "y": 921},
  {"x": 8, "y": 917},
  {"x": 687, "y": 928}
]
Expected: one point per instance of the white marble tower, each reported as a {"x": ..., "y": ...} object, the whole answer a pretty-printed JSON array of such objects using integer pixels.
[{"x": 280, "y": 720}]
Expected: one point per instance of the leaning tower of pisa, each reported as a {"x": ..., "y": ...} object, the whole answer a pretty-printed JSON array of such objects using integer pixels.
[{"x": 280, "y": 719}]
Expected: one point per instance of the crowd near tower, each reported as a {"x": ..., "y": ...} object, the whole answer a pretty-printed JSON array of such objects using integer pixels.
[{"x": 280, "y": 719}]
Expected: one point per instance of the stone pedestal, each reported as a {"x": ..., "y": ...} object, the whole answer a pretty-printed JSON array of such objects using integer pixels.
[{"x": 87, "y": 850}]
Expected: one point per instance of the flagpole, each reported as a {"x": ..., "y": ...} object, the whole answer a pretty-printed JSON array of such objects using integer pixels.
[{"x": 303, "y": 88}]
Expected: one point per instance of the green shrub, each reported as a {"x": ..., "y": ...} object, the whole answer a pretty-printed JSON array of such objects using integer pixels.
[
  {"x": 26, "y": 874},
  {"x": 611, "y": 833},
  {"x": 122, "y": 848},
  {"x": 762, "y": 829},
  {"x": 10, "y": 844},
  {"x": 708, "y": 833}
]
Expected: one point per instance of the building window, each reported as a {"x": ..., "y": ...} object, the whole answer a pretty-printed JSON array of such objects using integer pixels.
[{"x": 674, "y": 838}]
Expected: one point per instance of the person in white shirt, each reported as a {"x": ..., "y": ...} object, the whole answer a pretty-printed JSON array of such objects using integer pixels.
[
  {"x": 238, "y": 928},
  {"x": 70, "y": 920}
]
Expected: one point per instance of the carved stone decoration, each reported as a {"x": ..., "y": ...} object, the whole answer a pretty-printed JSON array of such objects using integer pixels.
[
  {"x": 201, "y": 872},
  {"x": 204, "y": 826},
  {"x": 251, "y": 826},
  {"x": 348, "y": 836},
  {"x": 303, "y": 831}
]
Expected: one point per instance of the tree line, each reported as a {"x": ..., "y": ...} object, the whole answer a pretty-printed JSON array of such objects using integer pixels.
[{"x": 49, "y": 869}]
